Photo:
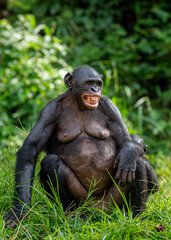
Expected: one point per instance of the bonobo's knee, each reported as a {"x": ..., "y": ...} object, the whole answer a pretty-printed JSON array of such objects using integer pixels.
[
  {"x": 51, "y": 172},
  {"x": 139, "y": 142},
  {"x": 51, "y": 168},
  {"x": 53, "y": 178},
  {"x": 141, "y": 170},
  {"x": 153, "y": 185},
  {"x": 50, "y": 162}
]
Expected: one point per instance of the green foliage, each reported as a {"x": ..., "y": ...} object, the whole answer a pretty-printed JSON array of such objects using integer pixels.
[
  {"x": 31, "y": 69},
  {"x": 129, "y": 43}
]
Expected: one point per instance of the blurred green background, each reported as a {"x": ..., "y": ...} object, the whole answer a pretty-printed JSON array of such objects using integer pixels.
[{"x": 129, "y": 42}]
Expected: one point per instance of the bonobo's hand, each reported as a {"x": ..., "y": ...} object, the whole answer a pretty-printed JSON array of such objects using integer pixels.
[
  {"x": 126, "y": 163},
  {"x": 15, "y": 214}
]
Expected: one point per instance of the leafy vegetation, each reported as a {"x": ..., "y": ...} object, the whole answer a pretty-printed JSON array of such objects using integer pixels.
[
  {"x": 31, "y": 71},
  {"x": 130, "y": 44}
]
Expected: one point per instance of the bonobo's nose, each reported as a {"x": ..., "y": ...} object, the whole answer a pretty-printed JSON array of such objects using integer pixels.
[{"x": 94, "y": 89}]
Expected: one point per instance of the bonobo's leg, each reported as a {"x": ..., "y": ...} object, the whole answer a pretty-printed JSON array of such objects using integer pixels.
[
  {"x": 139, "y": 188},
  {"x": 144, "y": 183},
  {"x": 152, "y": 179},
  {"x": 51, "y": 168},
  {"x": 145, "y": 179},
  {"x": 113, "y": 195},
  {"x": 70, "y": 189}
]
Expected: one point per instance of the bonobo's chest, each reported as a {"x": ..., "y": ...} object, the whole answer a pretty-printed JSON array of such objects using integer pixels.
[{"x": 73, "y": 123}]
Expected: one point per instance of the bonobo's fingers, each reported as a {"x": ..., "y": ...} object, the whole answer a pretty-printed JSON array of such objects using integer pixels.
[
  {"x": 123, "y": 178},
  {"x": 129, "y": 177},
  {"x": 116, "y": 162},
  {"x": 133, "y": 176},
  {"x": 118, "y": 174}
]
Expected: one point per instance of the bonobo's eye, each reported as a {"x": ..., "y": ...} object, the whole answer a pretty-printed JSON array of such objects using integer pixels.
[
  {"x": 99, "y": 83},
  {"x": 88, "y": 83}
]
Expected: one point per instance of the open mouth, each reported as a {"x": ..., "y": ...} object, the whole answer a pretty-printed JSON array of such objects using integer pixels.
[{"x": 90, "y": 101}]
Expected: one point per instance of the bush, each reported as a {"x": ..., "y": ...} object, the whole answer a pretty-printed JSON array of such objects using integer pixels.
[
  {"x": 128, "y": 43},
  {"x": 31, "y": 72}
]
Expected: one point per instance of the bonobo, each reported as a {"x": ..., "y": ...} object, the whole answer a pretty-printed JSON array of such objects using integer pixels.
[{"x": 87, "y": 143}]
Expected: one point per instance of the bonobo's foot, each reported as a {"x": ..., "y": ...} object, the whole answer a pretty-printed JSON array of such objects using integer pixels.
[
  {"x": 13, "y": 217},
  {"x": 10, "y": 219}
]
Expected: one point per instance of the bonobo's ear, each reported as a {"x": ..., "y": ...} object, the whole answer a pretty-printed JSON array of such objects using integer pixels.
[
  {"x": 101, "y": 76},
  {"x": 68, "y": 80}
]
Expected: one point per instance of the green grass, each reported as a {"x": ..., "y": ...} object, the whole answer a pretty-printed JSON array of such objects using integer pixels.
[{"x": 47, "y": 220}]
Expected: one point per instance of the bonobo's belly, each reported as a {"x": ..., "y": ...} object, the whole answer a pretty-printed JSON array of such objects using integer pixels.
[{"x": 91, "y": 160}]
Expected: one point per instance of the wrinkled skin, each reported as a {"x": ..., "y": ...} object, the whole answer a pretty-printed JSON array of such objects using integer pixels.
[{"x": 86, "y": 141}]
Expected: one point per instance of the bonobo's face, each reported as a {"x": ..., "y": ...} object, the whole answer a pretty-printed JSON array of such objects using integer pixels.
[
  {"x": 92, "y": 93},
  {"x": 86, "y": 85}
]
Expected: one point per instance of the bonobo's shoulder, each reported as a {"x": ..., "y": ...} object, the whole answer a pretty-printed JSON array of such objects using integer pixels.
[
  {"x": 109, "y": 108},
  {"x": 52, "y": 108},
  {"x": 106, "y": 102}
]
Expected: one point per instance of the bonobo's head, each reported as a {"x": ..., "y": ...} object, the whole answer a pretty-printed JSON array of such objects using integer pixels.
[{"x": 86, "y": 85}]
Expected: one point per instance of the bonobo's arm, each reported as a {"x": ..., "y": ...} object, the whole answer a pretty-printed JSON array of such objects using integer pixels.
[
  {"x": 126, "y": 159},
  {"x": 26, "y": 158}
]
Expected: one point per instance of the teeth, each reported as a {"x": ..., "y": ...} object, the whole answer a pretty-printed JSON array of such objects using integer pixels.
[{"x": 92, "y": 99}]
